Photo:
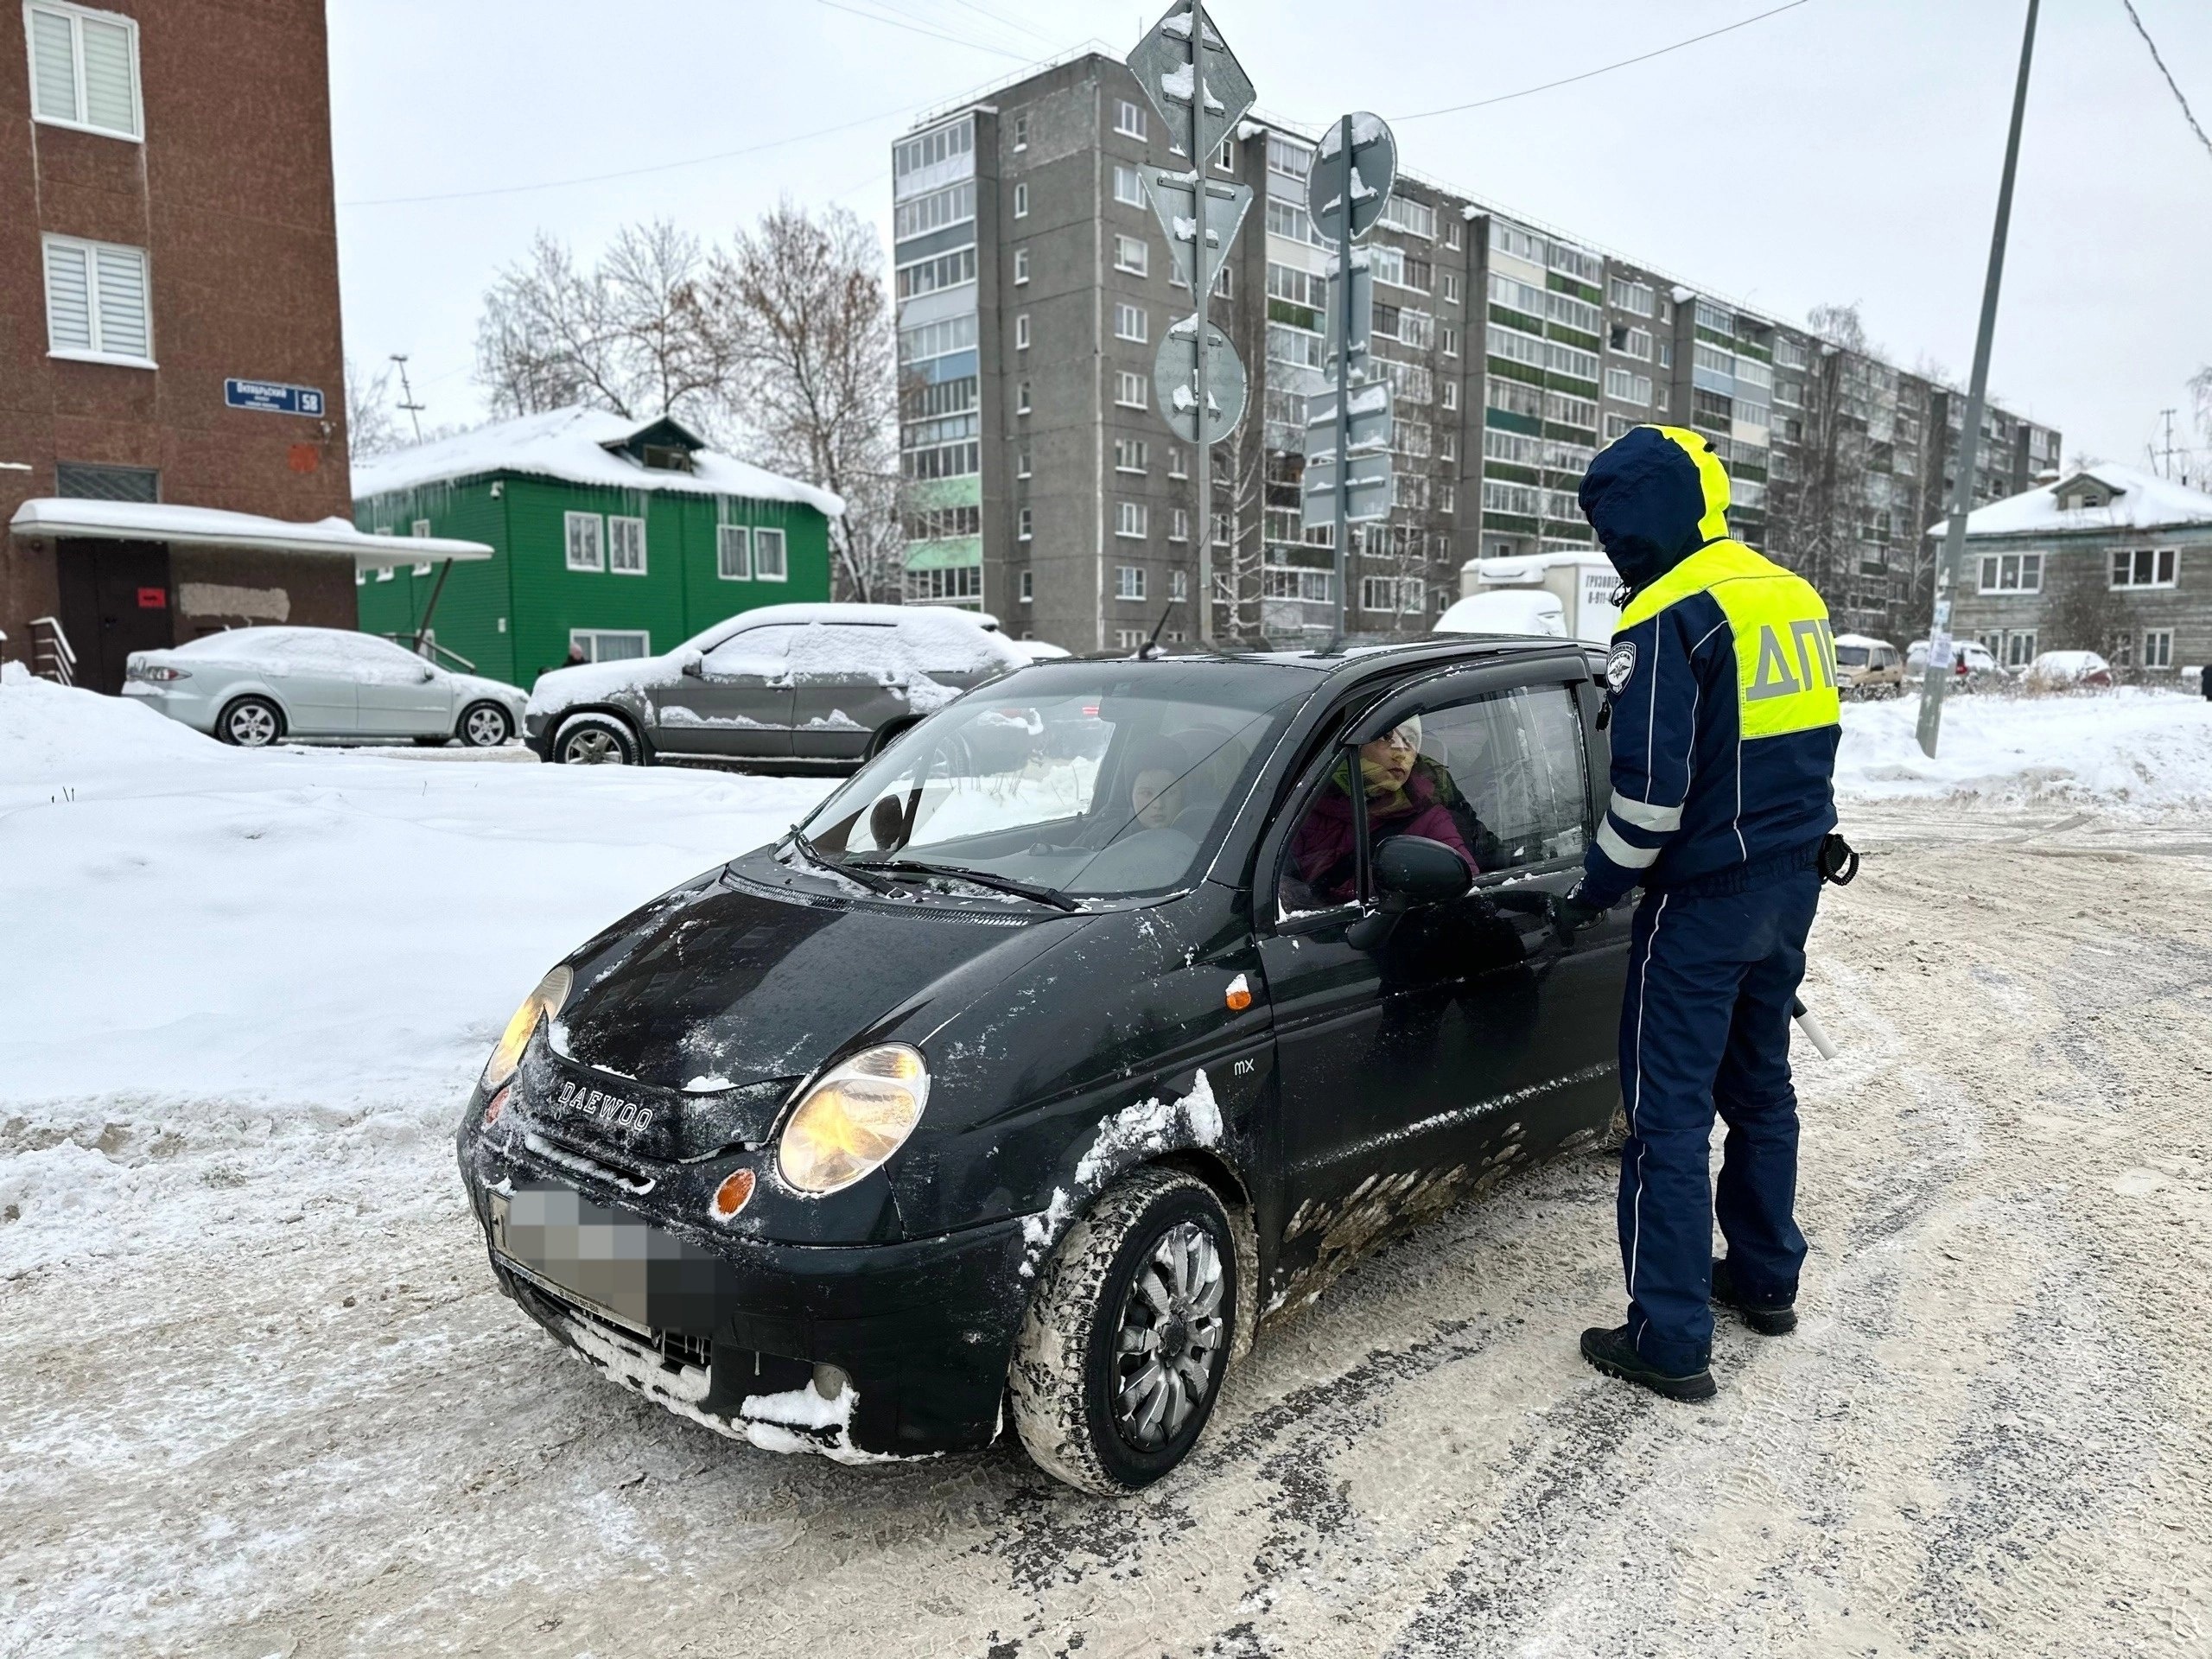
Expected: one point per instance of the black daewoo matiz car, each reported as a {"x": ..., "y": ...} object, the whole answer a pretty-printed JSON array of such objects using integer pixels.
[{"x": 1112, "y": 1007}]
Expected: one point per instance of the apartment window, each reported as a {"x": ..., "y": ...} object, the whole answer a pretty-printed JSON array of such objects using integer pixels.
[
  {"x": 611, "y": 644},
  {"x": 1022, "y": 199},
  {"x": 1224, "y": 282},
  {"x": 584, "y": 551},
  {"x": 1131, "y": 518},
  {"x": 1221, "y": 529},
  {"x": 732, "y": 553},
  {"x": 1636, "y": 297},
  {"x": 1447, "y": 498},
  {"x": 1450, "y": 289},
  {"x": 2159, "y": 648},
  {"x": 955, "y": 205},
  {"x": 2011, "y": 573},
  {"x": 2020, "y": 648},
  {"x": 1128, "y": 119},
  {"x": 625, "y": 546},
  {"x": 1021, "y": 132},
  {"x": 768, "y": 556},
  {"x": 930, "y": 340},
  {"x": 1021, "y": 266},
  {"x": 1022, "y": 462},
  {"x": 1449, "y": 340},
  {"x": 937, "y": 587},
  {"x": 1659, "y": 398},
  {"x": 84, "y": 69},
  {"x": 1131, "y": 255},
  {"x": 1128, "y": 581},
  {"x": 1128, "y": 185},
  {"x": 1130, "y": 455},
  {"x": 421, "y": 529},
  {"x": 1028, "y": 586},
  {"x": 2143, "y": 567},
  {"x": 1451, "y": 233},
  {"x": 1179, "y": 525},
  {"x": 1021, "y": 523},
  {"x": 96, "y": 302},
  {"x": 1451, "y": 446},
  {"x": 928, "y": 276},
  {"x": 1132, "y": 322},
  {"x": 1617, "y": 427},
  {"x": 1225, "y": 157},
  {"x": 1628, "y": 388},
  {"x": 1128, "y": 639},
  {"x": 1021, "y": 332},
  {"x": 1022, "y": 398},
  {"x": 1449, "y": 393},
  {"x": 1175, "y": 469},
  {"x": 1130, "y": 390},
  {"x": 1178, "y": 585}
]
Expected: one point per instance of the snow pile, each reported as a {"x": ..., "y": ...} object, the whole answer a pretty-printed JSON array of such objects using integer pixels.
[
  {"x": 2139, "y": 501},
  {"x": 2119, "y": 750},
  {"x": 279, "y": 970}
]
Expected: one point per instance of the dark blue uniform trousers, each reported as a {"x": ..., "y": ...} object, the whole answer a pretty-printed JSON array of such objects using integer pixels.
[{"x": 1705, "y": 1026}]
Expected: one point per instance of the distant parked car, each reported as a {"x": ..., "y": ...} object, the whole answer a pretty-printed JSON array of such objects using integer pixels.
[
  {"x": 1866, "y": 667},
  {"x": 1505, "y": 610},
  {"x": 1970, "y": 664},
  {"x": 2059, "y": 670},
  {"x": 783, "y": 682},
  {"x": 253, "y": 686}
]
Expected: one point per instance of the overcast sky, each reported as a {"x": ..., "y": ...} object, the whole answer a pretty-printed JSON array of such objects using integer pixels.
[{"x": 1845, "y": 150}]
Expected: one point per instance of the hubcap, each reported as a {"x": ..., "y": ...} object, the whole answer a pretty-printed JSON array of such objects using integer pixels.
[
  {"x": 1168, "y": 1346},
  {"x": 484, "y": 728},
  {"x": 593, "y": 748},
  {"x": 253, "y": 726}
]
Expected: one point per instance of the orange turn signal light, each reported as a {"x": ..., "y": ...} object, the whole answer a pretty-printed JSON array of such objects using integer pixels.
[
  {"x": 497, "y": 1105},
  {"x": 1240, "y": 994},
  {"x": 732, "y": 1196}
]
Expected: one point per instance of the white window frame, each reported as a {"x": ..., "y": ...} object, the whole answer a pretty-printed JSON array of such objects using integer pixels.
[
  {"x": 1028, "y": 593},
  {"x": 1179, "y": 525},
  {"x": 90, "y": 253},
  {"x": 1132, "y": 390},
  {"x": 1126, "y": 175},
  {"x": 1022, "y": 199},
  {"x": 594, "y": 535},
  {"x": 1022, "y": 397},
  {"x": 1021, "y": 266},
  {"x": 1132, "y": 256},
  {"x": 620, "y": 530},
  {"x": 1129, "y": 584},
  {"x": 1132, "y": 322},
  {"x": 1128, "y": 119},
  {"x": 589, "y": 638},
  {"x": 1132, "y": 521},
  {"x": 77, "y": 17},
  {"x": 765, "y": 568},
  {"x": 2158, "y": 648},
  {"x": 1023, "y": 524},
  {"x": 1021, "y": 331},
  {"x": 737, "y": 538},
  {"x": 2166, "y": 557},
  {"x": 1990, "y": 573},
  {"x": 1131, "y": 454}
]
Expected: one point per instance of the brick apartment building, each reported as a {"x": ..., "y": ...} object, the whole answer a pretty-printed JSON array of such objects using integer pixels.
[{"x": 167, "y": 227}]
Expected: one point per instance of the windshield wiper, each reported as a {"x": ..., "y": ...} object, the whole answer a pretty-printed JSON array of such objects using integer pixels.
[
  {"x": 815, "y": 855},
  {"x": 1043, "y": 895}
]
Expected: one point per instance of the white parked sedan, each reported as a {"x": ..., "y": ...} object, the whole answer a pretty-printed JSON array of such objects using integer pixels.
[{"x": 252, "y": 686}]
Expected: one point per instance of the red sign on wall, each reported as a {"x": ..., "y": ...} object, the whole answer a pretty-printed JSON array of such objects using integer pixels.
[
  {"x": 153, "y": 599},
  {"x": 305, "y": 458}
]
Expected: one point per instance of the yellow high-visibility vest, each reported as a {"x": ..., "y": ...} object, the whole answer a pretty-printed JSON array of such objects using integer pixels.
[{"x": 1785, "y": 652}]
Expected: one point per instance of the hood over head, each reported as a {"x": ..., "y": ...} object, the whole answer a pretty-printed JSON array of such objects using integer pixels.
[{"x": 1655, "y": 496}]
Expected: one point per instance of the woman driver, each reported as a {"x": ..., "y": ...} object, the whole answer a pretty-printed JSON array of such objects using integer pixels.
[{"x": 1402, "y": 799}]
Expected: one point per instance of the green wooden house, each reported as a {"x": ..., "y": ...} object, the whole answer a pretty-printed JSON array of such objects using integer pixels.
[{"x": 608, "y": 537}]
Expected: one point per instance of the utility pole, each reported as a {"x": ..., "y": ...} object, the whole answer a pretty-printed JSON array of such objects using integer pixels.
[
  {"x": 1202, "y": 281},
  {"x": 1955, "y": 539},
  {"x": 407, "y": 395},
  {"x": 2166, "y": 469}
]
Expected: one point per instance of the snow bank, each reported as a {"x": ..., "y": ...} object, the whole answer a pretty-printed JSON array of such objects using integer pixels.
[
  {"x": 230, "y": 970},
  {"x": 2130, "y": 750}
]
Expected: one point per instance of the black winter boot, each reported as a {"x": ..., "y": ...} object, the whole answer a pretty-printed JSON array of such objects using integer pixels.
[
  {"x": 1611, "y": 1353},
  {"x": 1768, "y": 1319}
]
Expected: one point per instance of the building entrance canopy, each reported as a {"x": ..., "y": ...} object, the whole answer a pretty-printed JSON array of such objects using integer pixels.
[{"x": 66, "y": 520}]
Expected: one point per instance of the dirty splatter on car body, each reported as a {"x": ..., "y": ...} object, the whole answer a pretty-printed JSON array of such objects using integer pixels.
[{"x": 792, "y": 1148}]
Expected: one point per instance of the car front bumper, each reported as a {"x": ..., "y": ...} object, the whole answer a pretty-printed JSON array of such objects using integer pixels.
[{"x": 860, "y": 1352}]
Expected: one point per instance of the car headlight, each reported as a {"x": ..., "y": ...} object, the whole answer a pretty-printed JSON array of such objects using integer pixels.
[
  {"x": 856, "y": 1115},
  {"x": 542, "y": 1003}
]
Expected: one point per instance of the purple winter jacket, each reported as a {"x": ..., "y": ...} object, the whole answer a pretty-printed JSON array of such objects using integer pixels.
[{"x": 1322, "y": 848}]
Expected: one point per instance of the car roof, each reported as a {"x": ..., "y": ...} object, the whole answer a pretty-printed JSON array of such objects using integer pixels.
[{"x": 1352, "y": 661}]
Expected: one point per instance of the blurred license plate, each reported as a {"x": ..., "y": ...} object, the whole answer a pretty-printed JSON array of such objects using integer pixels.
[{"x": 584, "y": 1252}]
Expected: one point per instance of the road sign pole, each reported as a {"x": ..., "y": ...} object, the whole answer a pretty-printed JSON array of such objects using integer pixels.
[
  {"x": 1940, "y": 649},
  {"x": 1199, "y": 282},
  {"x": 1343, "y": 389}
]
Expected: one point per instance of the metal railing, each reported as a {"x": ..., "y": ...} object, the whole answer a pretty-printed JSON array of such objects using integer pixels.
[
  {"x": 52, "y": 656},
  {"x": 433, "y": 651}
]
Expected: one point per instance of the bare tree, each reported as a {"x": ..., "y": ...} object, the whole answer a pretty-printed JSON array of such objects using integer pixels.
[
  {"x": 1817, "y": 520},
  {"x": 627, "y": 334},
  {"x": 372, "y": 418},
  {"x": 796, "y": 309}
]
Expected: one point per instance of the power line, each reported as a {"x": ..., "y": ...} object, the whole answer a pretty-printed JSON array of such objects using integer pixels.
[
  {"x": 919, "y": 28},
  {"x": 2187, "y": 114},
  {"x": 1588, "y": 74}
]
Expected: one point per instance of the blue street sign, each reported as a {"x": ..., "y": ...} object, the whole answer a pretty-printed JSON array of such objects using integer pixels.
[{"x": 273, "y": 397}]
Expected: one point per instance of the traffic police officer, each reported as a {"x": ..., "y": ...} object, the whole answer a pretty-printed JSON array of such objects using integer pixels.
[{"x": 1723, "y": 722}]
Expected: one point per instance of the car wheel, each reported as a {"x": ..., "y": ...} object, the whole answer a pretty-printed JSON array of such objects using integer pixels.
[
  {"x": 884, "y": 737},
  {"x": 1121, "y": 1353},
  {"x": 485, "y": 726},
  {"x": 594, "y": 740},
  {"x": 251, "y": 723}
]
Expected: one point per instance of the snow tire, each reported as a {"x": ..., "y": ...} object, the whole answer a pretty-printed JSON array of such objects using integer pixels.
[
  {"x": 484, "y": 726},
  {"x": 596, "y": 740},
  {"x": 1061, "y": 1378},
  {"x": 250, "y": 723}
]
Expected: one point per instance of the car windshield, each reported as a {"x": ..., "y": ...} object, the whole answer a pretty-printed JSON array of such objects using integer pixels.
[
  {"x": 1090, "y": 780},
  {"x": 1850, "y": 656}
]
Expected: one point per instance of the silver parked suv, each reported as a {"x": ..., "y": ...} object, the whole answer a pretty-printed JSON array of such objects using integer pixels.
[{"x": 783, "y": 682}]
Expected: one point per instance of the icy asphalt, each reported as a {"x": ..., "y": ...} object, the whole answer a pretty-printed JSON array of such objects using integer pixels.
[{"x": 258, "y": 1393}]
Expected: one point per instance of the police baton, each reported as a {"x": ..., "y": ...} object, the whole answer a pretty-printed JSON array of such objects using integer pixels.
[{"x": 1811, "y": 1027}]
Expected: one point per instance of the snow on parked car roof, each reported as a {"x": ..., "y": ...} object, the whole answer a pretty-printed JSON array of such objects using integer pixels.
[
  {"x": 1866, "y": 639},
  {"x": 1506, "y": 611},
  {"x": 2139, "y": 501},
  {"x": 571, "y": 445}
]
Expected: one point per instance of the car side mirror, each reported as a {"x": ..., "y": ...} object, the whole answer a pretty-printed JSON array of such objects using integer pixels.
[
  {"x": 1409, "y": 871},
  {"x": 694, "y": 665},
  {"x": 428, "y": 673}
]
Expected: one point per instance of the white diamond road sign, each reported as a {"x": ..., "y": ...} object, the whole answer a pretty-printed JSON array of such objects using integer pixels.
[{"x": 1164, "y": 68}]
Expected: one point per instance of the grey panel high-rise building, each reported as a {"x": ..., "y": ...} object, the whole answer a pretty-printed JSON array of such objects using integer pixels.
[{"x": 1033, "y": 289}]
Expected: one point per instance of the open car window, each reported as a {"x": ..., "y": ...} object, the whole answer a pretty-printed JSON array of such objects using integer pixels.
[
  {"x": 1500, "y": 779},
  {"x": 1094, "y": 780}
]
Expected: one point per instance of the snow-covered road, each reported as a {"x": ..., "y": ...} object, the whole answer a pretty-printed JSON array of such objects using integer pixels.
[{"x": 258, "y": 1394}]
